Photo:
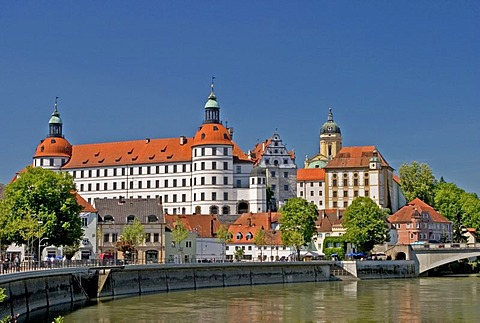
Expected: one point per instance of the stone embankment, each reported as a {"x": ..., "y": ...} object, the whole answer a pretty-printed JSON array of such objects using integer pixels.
[{"x": 43, "y": 291}]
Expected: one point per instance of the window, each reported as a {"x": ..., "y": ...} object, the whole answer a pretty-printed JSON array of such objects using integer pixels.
[
  {"x": 174, "y": 183},
  {"x": 214, "y": 151},
  {"x": 366, "y": 181},
  {"x": 355, "y": 193},
  {"x": 334, "y": 204},
  {"x": 285, "y": 187},
  {"x": 165, "y": 198},
  {"x": 225, "y": 151},
  {"x": 202, "y": 165},
  {"x": 114, "y": 237},
  {"x": 366, "y": 193},
  {"x": 123, "y": 185},
  {"x": 152, "y": 218},
  {"x": 174, "y": 197},
  {"x": 311, "y": 193},
  {"x": 105, "y": 186},
  {"x": 166, "y": 183},
  {"x": 166, "y": 169},
  {"x": 184, "y": 182},
  {"x": 225, "y": 180},
  {"x": 89, "y": 187},
  {"x": 148, "y": 184},
  {"x": 334, "y": 182},
  {"x": 106, "y": 237},
  {"x": 81, "y": 187},
  {"x": 311, "y": 184},
  {"x": 355, "y": 182},
  {"x": 301, "y": 184},
  {"x": 131, "y": 185},
  {"x": 130, "y": 219},
  {"x": 320, "y": 193},
  {"x": 188, "y": 244},
  {"x": 202, "y": 180},
  {"x": 131, "y": 170},
  {"x": 285, "y": 174},
  {"x": 225, "y": 197},
  {"x": 345, "y": 182},
  {"x": 239, "y": 169},
  {"x": 274, "y": 187},
  {"x": 148, "y": 237},
  {"x": 285, "y": 161},
  {"x": 345, "y": 193},
  {"x": 139, "y": 170},
  {"x": 157, "y": 183},
  {"x": 334, "y": 193},
  {"x": 203, "y": 152},
  {"x": 301, "y": 193},
  {"x": 139, "y": 184},
  {"x": 272, "y": 173},
  {"x": 214, "y": 165},
  {"x": 184, "y": 197},
  {"x": 214, "y": 180},
  {"x": 345, "y": 204},
  {"x": 225, "y": 165},
  {"x": 174, "y": 168},
  {"x": 184, "y": 168},
  {"x": 214, "y": 196},
  {"x": 156, "y": 237},
  {"x": 84, "y": 222},
  {"x": 202, "y": 196},
  {"x": 239, "y": 183}
]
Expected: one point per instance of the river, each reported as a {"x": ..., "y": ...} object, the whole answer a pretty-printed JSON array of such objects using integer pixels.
[{"x": 445, "y": 299}]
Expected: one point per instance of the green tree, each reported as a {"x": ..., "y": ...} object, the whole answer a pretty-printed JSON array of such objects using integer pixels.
[
  {"x": 260, "y": 240},
  {"x": 223, "y": 236},
  {"x": 41, "y": 197},
  {"x": 365, "y": 223},
  {"x": 297, "y": 222},
  {"x": 271, "y": 199},
  {"x": 179, "y": 233},
  {"x": 417, "y": 180},
  {"x": 132, "y": 236},
  {"x": 239, "y": 254}
]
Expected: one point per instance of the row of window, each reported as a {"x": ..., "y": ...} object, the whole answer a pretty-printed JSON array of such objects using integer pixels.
[
  {"x": 213, "y": 196},
  {"x": 274, "y": 174},
  {"x": 113, "y": 237},
  {"x": 258, "y": 247},
  {"x": 213, "y": 166},
  {"x": 345, "y": 182},
  {"x": 155, "y": 184},
  {"x": 320, "y": 184},
  {"x": 124, "y": 171},
  {"x": 285, "y": 187},
  {"x": 312, "y": 193},
  {"x": 51, "y": 162},
  {"x": 213, "y": 151},
  {"x": 345, "y": 193},
  {"x": 276, "y": 162}
]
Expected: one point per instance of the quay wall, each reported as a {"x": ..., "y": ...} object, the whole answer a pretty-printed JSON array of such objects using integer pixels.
[{"x": 37, "y": 292}]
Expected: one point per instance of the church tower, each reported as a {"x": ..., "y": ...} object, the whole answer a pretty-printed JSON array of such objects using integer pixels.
[
  {"x": 330, "y": 138},
  {"x": 330, "y": 144},
  {"x": 212, "y": 109}
]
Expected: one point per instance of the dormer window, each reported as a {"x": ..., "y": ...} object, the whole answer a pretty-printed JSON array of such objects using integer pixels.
[
  {"x": 249, "y": 236},
  {"x": 239, "y": 236}
]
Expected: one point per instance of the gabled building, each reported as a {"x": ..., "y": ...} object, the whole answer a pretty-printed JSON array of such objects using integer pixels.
[
  {"x": 419, "y": 222},
  {"x": 279, "y": 164},
  {"x": 311, "y": 186},
  {"x": 204, "y": 174},
  {"x": 328, "y": 224},
  {"x": 114, "y": 215},
  {"x": 247, "y": 227},
  {"x": 88, "y": 246}
]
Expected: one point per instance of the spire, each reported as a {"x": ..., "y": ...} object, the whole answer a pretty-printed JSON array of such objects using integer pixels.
[
  {"x": 212, "y": 109},
  {"x": 55, "y": 123},
  {"x": 330, "y": 114}
]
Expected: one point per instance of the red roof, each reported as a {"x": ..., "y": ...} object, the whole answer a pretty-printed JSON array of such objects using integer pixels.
[
  {"x": 135, "y": 152},
  {"x": 259, "y": 150},
  {"x": 250, "y": 223},
  {"x": 54, "y": 147},
  {"x": 416, "y": 208},
  {"x": 205, "y": 225},
  {"x": 357, "y": 156},
  {"x": 86, "y": 207},
  {"x": 311, "y": 174}
]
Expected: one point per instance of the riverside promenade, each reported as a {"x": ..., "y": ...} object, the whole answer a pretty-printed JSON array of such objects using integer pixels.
[{"x": 36, "y": 292}]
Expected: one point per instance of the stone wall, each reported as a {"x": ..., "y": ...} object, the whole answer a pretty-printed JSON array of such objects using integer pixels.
[{"x": 386, "y": 269}]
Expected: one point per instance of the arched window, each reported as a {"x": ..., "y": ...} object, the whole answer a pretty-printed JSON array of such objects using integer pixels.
[
  {"x": 152, "y": 219},
  {"x": 225, "y": 210},
  {"x": 130, "y": 219},
  {"x": 249, "y": 236},
  {"x": 242, "y": 207},
  {"x": 214, "y": 209},
  {"x": 239, "y": 236},
  {"x": 108, "y": 219}
]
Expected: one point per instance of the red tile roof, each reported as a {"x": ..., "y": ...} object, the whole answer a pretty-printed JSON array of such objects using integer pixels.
[
  {"x": 257, "y": 152},
  {"x": 137, "y": 152},
  {"x": 357, "y": 156},
  {"x": 212, "y": 134},
  {"x": 86, "y": 207},
  {"x": 205, "y": 225},
  {"x": 311, "y": 174},
  {"x": 416, "y": 208},
  {"x": 53, "y": 147},
  {"x": 329, "y": 218},
  {"x": 252, "y": 223}
]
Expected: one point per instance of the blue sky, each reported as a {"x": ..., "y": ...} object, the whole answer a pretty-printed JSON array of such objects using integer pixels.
[{"x": 401, "y": 75}]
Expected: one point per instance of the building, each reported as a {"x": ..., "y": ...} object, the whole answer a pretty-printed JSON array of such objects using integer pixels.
[
  {"x": 88, "y": 246},
  {"x": 179, "y": 251},
  {"x": 337, "y": 175},
  {"x": 244, "y": 232},
  {"x": 419, "y": 222},
  {"x": 280, "y": 168},
  {"x": 114, "y": 215},
  {"x": 204, "y": 174},
  {"x": 328, "y": 224},
  {"x": 311, "y": 186}
]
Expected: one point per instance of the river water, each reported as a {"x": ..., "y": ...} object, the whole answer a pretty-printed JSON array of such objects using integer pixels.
[{"x": 446, "y": 299}]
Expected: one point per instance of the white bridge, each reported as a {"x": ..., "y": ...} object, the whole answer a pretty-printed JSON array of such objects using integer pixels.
[{"x": 431, "y": 255}]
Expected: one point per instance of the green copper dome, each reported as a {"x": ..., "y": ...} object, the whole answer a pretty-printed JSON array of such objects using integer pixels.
[
  {"x": 55, "y": 119},
  {"x": 212, "y": 102},
  {"x": 330, "y": 127}
]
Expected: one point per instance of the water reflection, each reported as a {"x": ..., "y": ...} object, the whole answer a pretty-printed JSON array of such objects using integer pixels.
[{"x": 413, "y": 300}]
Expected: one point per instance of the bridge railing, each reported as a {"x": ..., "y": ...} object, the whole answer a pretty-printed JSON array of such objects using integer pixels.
[{"x": 449, "y": 245}]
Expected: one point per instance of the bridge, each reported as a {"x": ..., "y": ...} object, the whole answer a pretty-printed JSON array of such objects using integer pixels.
[{"x": 432, "y": 255}]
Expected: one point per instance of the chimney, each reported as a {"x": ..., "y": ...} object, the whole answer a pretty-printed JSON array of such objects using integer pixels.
[
  {"x": 269, "y": 223},
  {"x": 147, "y": 140},
  {"x": 249, "y": 222},
  {"x": 183, "y": 140},
  {"x": 230, "y": 132}
]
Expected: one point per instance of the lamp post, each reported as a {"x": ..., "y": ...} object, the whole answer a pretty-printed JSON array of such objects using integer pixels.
[{"x": 39, "y": 242}]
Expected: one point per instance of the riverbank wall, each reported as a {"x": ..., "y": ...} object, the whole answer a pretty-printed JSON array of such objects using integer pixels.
[{"x": 42, "y": 291}]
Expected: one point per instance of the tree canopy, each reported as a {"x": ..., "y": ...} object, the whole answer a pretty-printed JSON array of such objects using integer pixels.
[
  {"x": 365, "y": 223},
  {"x": 132, "y": 235},
  {"x": 41, "y": 202},
  {"x": 417, "y": 180},
  {"x": 297, "y": 222},
  {"x": 179, "y": 232}
]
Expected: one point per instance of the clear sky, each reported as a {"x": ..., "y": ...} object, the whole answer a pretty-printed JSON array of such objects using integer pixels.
[{"x": 401, "y": 75}]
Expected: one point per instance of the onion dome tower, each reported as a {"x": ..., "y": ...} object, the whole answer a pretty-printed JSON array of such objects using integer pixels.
[
  {"x": 330, "y": 137},
  {"x": 54, "y": 151}
]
